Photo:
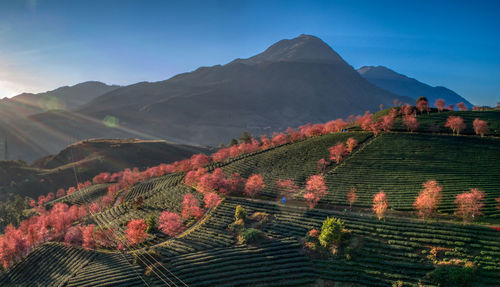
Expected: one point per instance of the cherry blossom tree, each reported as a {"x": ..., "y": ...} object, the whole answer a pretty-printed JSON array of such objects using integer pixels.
[
  {"x": 386, "y": 122},
  {"x": 170, "y": 223},
  {"x": 461, "y": 106},
  {"x": 191, "y": 206},
  {"x": 480, "y": 127},
  {"x": 351, "y": 144},
  {"x": 315, "y": 190},
  {"x": 321, "y": 165},
  {"x": 429, "y": 198},
  {"x": 136, "y": 231},
  {"x": 423, "y": 105},
  {"x": 254, "y": 185},
  {"x": 455, "y": 123},
  {"x": 440, "y": 104},
  {"x": 211, "y": 199},
  {"x": 88, "y": 237},
  {"x": 380, "y": 204},
  {"x": 337, "y": 152},
  {"x": 469, "y": 204},
  {"x": 73, "y": 236},
  {"x": 352, "y": 197},
  {"x": 279, "y": 139},
  {"x": 410, "y": 122},
  {"x": 200, "y": 160}
]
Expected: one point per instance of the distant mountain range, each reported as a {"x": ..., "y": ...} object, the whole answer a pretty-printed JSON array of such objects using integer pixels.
[
  {"x": 291, "y": 83},
  {"x": 63, "y": 98},
  {"x": 402, "y": 85}
]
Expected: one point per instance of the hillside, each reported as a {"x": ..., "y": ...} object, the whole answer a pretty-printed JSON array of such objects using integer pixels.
[
  {"x": 86, "y": 159},
  {"x": 63, "y": 98},
  {"x": 208, "y": 248},
  {"x": 293, "y": 82},
  {"x": 402, "y": 85}
]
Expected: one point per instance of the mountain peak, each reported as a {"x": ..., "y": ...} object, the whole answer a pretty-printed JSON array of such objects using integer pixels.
[
  {"x": 380, "y": 72},
  {"x": 304, "y": 48}
]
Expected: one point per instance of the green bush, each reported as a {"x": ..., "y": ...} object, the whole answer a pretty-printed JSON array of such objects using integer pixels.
[
  {"x": 237, "y": 226},
  {"x": 453, "y": 276},
  {"x": 152, "y": 224},
  {"x": 332, "y": 232},
  {"x": 240, "y": 213},
  {"x": 250, "y": 235}
]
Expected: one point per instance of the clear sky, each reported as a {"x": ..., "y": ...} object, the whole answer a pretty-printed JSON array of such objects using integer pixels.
[{"x": 45, "y": 44}]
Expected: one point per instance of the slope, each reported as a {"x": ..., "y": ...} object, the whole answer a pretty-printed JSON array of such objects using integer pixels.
[{"x": 402, "y": 85}]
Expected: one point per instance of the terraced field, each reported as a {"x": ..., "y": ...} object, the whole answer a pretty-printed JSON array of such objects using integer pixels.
[
  {"x": 296, "y": 161},
  {"x": 380, "y": 252},
  {"x": 434, "y": 122},
  {"x": 400, "y": 163},
  {"x": 51, "y": 264},
  {"x": 389, "y": 250}
]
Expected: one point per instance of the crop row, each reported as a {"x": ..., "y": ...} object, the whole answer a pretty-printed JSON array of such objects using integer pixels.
[
  {"x": 399, "y": 163},
  {"x": 51, "y": 264}
]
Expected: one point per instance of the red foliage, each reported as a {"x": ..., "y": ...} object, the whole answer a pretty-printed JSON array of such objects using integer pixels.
[
  {"x": 279, "y": 139},
  {"x": 254, "y": 185},
  {"x": 211, "y": 199},
  {"x": 351, "y": 144},
  {"x": 193, "y": 177},
  {"x": 469, "y": 204},
  {"x": 60, "y": 192},
  {"x": 314, "y": 233},
  {"x": 335, "y": 126},
  {"x": 440, "y": 104},
  {"x": 316, "y": 189},
  {"x": 410, "y": 121},
  {"x": 88, "y": 237},
  {"x": 461, "y": 106},
  {"x": 106, "y": 201},
  {"x": 170, "y": 223},
  {"x": 455, "y": 123},
  {"x": 73, "y": 236},
  {"x": 321, "y": 165},
  {"x": 191, "y": 206},
  {"x": 380, "y": 204},
  {"x": 287, "y": 186},
  {"x": 422, "y": 106},
  {"x": 294, "y": 135},
  {"x": 480, "y": 127},
  {"x": 337, "y": 152},
  {"x": 365, "y": 121},
  {"x": 429, "y": 198},
  {"x": 200, "y": 160},
  {"x": 386, "y": 122},
  {"x": 103, "y": 177},
  {"x": 407, "y": 110},
  {"x": 136, "y": 231},
  {"x": 71, "y": 190},
  {"x": 351, "y": 196}
]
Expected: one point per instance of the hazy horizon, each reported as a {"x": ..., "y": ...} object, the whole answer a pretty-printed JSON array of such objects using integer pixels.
[{"x": 48, "y": 44}]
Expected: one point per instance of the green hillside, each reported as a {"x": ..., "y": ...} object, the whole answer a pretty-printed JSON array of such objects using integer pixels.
[{"x": 210, "y": 251}]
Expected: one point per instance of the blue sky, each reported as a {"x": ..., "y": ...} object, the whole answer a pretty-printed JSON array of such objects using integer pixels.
[{"x": 45, "y": 44}]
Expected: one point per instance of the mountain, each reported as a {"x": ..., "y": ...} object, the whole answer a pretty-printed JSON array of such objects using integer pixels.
[
  {"x": 63, "y": 98},
  {"x": 402, "y": 85},
  {"x": 84, "y": 160},
  {"x": 291, "y": 83}
]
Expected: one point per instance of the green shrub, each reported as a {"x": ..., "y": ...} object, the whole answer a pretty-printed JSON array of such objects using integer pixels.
[
  {"x": 237, "y": 226},
  {"x": 152, "y": 224},
  {"x": 332, "y": 232},
  {"x": 453, "y": 276},
  {"x": 240, "y": 213},
  {"x": 250, "y": 235}
]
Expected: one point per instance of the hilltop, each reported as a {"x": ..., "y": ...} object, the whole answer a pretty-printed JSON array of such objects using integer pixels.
[
  {"x": 221, "y": 226},
  {"x": 402, "y": 85},
  {"x": 84, "y": 160}
]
